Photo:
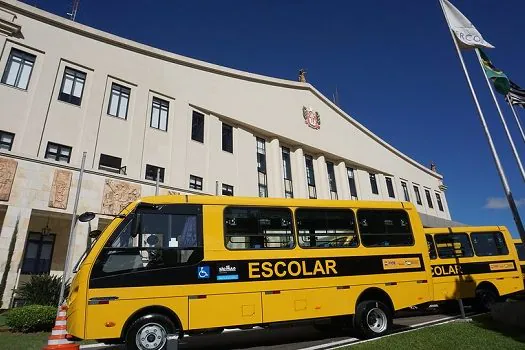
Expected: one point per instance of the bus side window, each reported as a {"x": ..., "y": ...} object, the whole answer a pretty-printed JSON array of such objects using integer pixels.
[
  {"x": 327, "y": 228},
  {"x": 431, "y": 247},
  {"x": 453, "y": 245},
  {"x": 384, "y": 228},
  {"x": 258, "y": 228},
  {"x": 489, "y": 243},
  {"x": 520, "y": 247}
]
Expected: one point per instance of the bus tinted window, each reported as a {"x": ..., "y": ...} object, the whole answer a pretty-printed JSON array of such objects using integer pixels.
[
  {"x": 489, "y": 243},
  {"x": 151, "y": 239},
  {"x": 431, "y": 247},
  {"x": 329, "y": 228},
  {"x": 521, "y": 251},
  {"x": 383, "y": 228},
  {"x": 258, "y": 228},
  {"x": 453, "y": 245}
]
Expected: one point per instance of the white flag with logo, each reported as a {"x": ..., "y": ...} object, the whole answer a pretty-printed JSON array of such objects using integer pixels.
[{"x": 466, "y": 34}]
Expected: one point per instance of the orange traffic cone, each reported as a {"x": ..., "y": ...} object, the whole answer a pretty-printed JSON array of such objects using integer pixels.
[{"x": 57, "y": 339}]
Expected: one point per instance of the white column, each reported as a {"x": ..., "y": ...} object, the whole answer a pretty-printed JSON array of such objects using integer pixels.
[
  {"x": 343, "y": 187},
  {"x": 15, "y": 218},
  {"x": 299, "y": 174},
  {"x": 321, "y": 178},
  {"x": 274, "y": 169}
]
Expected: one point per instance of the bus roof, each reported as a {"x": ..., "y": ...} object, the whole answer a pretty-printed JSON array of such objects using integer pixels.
[
  {"x": 459, "y": 229},
  {"x": 285, "y": 202}
]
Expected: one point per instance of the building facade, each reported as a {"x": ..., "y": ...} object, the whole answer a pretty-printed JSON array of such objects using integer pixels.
[{"x": 138, "y": 112}]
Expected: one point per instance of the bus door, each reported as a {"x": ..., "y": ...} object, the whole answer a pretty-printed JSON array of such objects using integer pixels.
[{"x": 148, "y": 261}]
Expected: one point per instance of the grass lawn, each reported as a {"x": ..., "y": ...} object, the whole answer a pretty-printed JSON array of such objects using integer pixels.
[
  {"x": 481, "y": 333},
  {"x": 20, "y": 341}
]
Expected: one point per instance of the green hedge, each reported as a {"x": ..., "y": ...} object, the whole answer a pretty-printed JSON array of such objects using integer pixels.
[{"x": 31, "y": 318}]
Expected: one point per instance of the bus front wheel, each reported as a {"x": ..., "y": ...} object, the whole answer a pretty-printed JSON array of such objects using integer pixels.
[
  {"x": 372, "y": 319},
  {"x": 149, "y": 332}
]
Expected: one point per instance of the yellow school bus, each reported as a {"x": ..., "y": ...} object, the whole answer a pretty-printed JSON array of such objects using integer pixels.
[
  {"x": 473, "y": 263},
  {"x": 520, "y": 247},
  {"x": 174, "y": 264}
]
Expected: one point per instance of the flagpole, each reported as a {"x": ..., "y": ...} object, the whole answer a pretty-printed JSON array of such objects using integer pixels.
[
  {"x": 517, "y": 119},
  {"x": 502, "y": 176},
  {"x": 509, "y": 136}
]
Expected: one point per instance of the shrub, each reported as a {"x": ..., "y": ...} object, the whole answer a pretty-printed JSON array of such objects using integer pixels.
[
  {"x": 41, "y": 290},
  {"x": 31, "y": 318}
]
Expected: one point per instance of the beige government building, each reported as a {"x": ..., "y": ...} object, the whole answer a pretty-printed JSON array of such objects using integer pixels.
[{"x": 137, "y": 111}]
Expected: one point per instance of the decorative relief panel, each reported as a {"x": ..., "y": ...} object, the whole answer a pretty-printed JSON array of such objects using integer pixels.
[
  {"x": 7, "y": 176},
  {"x": 117, "y": 195},
  {"x": 60, "y": 189}
]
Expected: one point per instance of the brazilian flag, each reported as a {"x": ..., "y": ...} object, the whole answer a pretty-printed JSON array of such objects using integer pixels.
[{"x": 498, "y": 78}]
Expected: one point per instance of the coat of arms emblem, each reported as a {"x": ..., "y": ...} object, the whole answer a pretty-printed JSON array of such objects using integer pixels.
[{"x": 311, "y": 118}]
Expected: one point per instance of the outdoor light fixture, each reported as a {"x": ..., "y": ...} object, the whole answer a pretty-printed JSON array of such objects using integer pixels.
[{"x": 46, "y": 230}]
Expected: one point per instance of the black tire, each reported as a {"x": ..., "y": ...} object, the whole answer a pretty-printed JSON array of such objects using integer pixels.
[
  {"x": 372, "y": 319},
  {"x": 485, "y": 298},
  {"x": 154, "y": 327}
]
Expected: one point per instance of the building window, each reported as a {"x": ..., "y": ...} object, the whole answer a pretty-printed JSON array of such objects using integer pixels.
[
  {"x": 197, "y": 127},
  {"x": 227, "y": 190},
  {"x": 38, "y": 253},
  {"x": 287, "y": 173},
  {"x": 373, "y": 183},
  {"x": 6, "y": 140},
  {"x": 384, "y": 228},
  {"x": 119, "y": 101},
  {"x": 18, "y": 69},
  {"x": 261, "y": 167},
  {"x": 310, "y": 177},
  {"x": 151, "y": 173},
  {"x": 405, "y": 191},
  {"x": 111, "y": 164},
  {"x": 418, "y": 195},
  {"x": 429, "y": 199},
  {"x": 227, "y": 138},
  {"x": 195, "y": 182},
  {"x": 331, "y": 180},
  {"x": 351, "y": 182},
  {"x": 58, "y": 152},
  {"x": 439, "y": 202},
  {"x": 258, "y": 228},
  {"x": 390, "y": 187},
  {"x": 159, "y": 114},
  {"x": 72, "y": 86}
]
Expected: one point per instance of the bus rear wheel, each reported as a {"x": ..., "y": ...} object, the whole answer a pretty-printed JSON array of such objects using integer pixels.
[
  {"x": 485, "y": 298},
  {"x": 149, "y": 332},
  {"x": 372, "y": 319}
]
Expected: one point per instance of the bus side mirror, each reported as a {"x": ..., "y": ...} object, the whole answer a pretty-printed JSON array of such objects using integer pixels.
[
  {"x": 94, "y": 233},
  {"x": 86, "y": 217}
]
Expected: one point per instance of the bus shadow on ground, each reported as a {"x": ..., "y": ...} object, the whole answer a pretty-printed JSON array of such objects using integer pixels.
[
  {"x": 485, "y": 321},
  {"x": 282, "y": 337}
]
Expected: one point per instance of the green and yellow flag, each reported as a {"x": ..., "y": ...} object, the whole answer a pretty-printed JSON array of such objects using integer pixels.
[{"x": 498, "y": 78}]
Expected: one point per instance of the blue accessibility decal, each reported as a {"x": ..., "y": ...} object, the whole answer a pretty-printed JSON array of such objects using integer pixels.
[{"x": 203, "y": 272}]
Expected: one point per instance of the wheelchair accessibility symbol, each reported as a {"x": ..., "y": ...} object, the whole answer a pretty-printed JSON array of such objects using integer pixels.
[{"x": 203, "y": 272}]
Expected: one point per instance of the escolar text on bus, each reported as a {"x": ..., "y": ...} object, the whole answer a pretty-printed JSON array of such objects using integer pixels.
[{"x": 294, "y": 268}]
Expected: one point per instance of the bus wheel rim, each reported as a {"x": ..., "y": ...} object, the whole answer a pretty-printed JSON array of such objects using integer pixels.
[
  {"x": 377, "y": 320},
  {"x": 151, "y": 336}
]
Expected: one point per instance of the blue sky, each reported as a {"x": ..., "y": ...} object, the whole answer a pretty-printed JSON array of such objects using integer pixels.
[{"x": 393, "y": 63}]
